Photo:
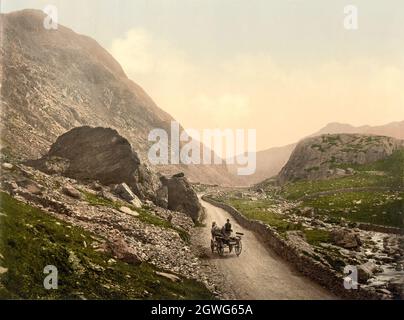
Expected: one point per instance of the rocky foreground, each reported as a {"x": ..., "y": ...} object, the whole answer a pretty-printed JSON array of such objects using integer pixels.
[
  {"x": 132, "y": 234},
  {"x": 92, "y": 179}
]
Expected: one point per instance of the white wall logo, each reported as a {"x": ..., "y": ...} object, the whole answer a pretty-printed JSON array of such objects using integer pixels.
[
  {"x": 211, "y": 147},
  {"x": 351, "y": 280},
  {"x": 351, "y": 17},
  {"x": 51, "y": 280},
  {"x": 51, "y": 20}
]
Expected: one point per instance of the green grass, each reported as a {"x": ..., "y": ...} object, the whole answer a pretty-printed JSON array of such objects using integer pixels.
[
  {"x": 384, "y": 208},
  {"x": 96, "y": 200},
  {"x": 256, "y": 210},
  {"x": 299, "y": 189},
  {"x": 393, "y": 166},
  {"x": 391, "y": 175},
  {"x": 381, "y": 194},
  {"x": 30, "y": 239},
  {"x": 317, "y": 236},
  {"x": 144, "y": 215}
]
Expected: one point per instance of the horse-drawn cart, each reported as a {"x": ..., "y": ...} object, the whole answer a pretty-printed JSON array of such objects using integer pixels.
[{"x": 220, "y": 242}]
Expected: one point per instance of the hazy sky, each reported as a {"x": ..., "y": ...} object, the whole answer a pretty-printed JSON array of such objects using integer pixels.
[{"x": 285, "y": 68}]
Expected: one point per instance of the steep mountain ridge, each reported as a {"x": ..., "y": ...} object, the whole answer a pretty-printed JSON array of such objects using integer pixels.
[
  {"x": 327, "y": 155},
  {"x": 271, "y": 161},
  {"x": 55, "y": 80}
]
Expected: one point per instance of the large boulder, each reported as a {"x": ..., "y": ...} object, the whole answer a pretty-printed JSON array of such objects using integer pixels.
[
  {"x": 346, "y": 238},
  {"x": 87, "y": 153},
  {"x": 367, "y": 270},
  {"x": 182, "y": 197}
]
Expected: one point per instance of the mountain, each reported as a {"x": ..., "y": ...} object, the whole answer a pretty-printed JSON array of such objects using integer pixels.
[
  {"x": 271, "y": 161},
  {"x": 329, "y": 155},
  {"x": 392, "y": 129},
  {"x": 55, "y": 80}
]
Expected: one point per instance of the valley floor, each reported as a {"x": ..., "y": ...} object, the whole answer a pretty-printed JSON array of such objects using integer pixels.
[{"x": 258, "y": 273}]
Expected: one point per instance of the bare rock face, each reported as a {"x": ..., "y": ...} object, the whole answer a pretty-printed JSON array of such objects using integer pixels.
[
  {"x": 319, "y": 157},
  {"x": 101, "y": 154},
  {"x": 181, "y": 196},
  {"x": 55, "y": 81}
]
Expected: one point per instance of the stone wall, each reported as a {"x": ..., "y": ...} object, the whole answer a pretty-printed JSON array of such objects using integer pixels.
[
  {"x": 305, "y": 264},
  {"x": 379, "y": 228}
]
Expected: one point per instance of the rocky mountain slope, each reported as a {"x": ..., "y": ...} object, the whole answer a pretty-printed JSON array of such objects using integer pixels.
[
  {"x": 91, "y": 207},
  {"x": 271, "y": 161},
  {"x": 99, "y": 154},
  {"x": 329, "y": 155},
  {"x": 55, "y": 80},
  {"x": 103, "y": 246}
]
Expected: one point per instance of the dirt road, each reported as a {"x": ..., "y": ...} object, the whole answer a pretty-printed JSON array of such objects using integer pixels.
[{"x": 259, "y": 273}]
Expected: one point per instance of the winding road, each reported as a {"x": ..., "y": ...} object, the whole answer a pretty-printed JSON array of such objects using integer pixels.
[{"x": 258, "y": 273}]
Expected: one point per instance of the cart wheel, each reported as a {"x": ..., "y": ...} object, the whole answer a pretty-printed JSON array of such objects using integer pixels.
[
  {"x": 212, "y": 246},
  {"x": 220, "y": 249},
  {"x": 238, "y": 248}
]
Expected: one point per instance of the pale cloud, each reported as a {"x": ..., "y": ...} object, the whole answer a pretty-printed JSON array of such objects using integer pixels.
[
  {"x": 283, "y": 102},
  {"x": 227, "y": 107},
  {"x": 142, "y": 54}
]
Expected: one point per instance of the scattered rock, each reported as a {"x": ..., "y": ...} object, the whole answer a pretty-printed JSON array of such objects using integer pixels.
[
  {"x": 339, "y": 172},
  {"x": 3, "y": 270},
  {"x": 346, "y": 238},
  {"x": 169, "y": 276},
  {"x": 122, "y": 251},
  {"x": 366, "y": 271},
  {"x": 96, "y": 186},
  {"x": 71, "y": 192},
  {"x": 179, "y": 175},
  {"x": 7, "y": 166},
  {"x": 136, "y": 203},
  {"x": 350, "y": 171},
  {"x": 126, "y": 193},
  {"x": 34, "y": 189},
  {"x": 129, "y": 211}
]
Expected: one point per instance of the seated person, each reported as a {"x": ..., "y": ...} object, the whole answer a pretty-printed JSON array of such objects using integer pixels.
[
  {"x": 227, "y": 230},
  {"x": 215, "y": 230}
]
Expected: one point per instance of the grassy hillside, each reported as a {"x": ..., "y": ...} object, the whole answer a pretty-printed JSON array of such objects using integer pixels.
[
  {"x": 373, "y": 194},
  {"x": 386, "y": 173},
  {"x": 262, "y": 210},
  {"x": 30, "y": 239}
]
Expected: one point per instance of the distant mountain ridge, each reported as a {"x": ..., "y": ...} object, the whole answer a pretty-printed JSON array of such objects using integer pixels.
[
  {"x": 328, "y": 155},
  {"x": 271, "y": 161}
]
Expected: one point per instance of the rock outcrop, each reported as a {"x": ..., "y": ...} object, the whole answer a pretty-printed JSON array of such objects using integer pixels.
[
  {"x": 101, "y": 154},
  {"x": 182, "y": 197},
  {"x": 320, "y": 157},
  {"x": 346, "y": 238}
]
